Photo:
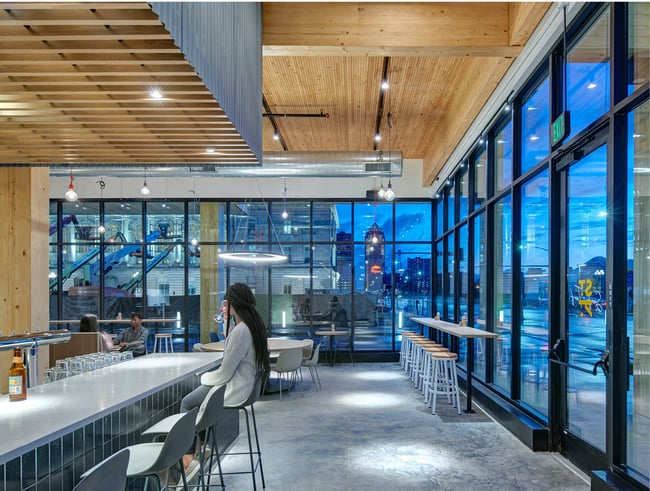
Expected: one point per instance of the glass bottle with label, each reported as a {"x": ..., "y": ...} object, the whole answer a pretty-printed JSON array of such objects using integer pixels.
[{"x": 17, "y": 377}]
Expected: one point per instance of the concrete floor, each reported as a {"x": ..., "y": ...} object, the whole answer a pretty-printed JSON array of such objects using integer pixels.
[{"x": 368, "y": 429}]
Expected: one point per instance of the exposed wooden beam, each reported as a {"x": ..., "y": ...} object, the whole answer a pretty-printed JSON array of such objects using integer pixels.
[{"x": 386, "y": 29}]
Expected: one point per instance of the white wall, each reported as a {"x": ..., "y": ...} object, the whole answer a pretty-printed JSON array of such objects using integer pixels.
[{"x": 407, "y": 186}]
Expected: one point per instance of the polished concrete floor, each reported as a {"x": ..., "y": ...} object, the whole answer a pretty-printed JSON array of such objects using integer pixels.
[{"x": 369, "y": 429}]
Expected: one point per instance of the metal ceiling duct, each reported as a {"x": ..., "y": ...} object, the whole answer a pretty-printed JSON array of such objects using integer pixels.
[{"x": 276, "y": 164}]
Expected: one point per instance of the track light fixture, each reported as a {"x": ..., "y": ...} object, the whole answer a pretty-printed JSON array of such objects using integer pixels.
[{"x": 71, "y": 194}]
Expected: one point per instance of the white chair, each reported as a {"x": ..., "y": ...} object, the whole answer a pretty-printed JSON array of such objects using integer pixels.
[
  {"x": 108, "y": 475},
  {"x": 166, "y": 343},
  {"x": 311, "y": 363},
  {"x": 288, "y": 365},
  {"x": 207, "y": 419},
  {"x": 150, "y": 459}
]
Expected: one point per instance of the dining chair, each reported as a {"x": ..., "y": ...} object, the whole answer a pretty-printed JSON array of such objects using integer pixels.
[
  {"x": 108, "y": 475},
  {"x": 288, "y": 364},
  {"x": 343, "y": 343},
  {"x": 311, "y": 363},
  {"x": 207, "y": 420},
  {"x": 151, "y": 459}
]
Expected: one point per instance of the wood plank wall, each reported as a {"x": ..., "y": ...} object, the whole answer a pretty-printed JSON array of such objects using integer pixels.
[{"x": 24, "y": 232}]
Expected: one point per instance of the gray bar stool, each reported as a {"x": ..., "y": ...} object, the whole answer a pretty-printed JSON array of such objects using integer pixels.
[
  {"x": 150, "y": 459},
  {"x": 108, "y": 475},
  {"x": 207, "y": 420},
  {"x": 255, "y": 456}
]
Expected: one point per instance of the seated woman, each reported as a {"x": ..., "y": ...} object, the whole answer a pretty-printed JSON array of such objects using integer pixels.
[
  {"x": 88, "y": 323},
  {"x": 245, "y": 356}
]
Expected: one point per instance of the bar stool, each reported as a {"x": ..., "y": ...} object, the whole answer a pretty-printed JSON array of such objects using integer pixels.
[
  {"x": 165, "y": 342},
  {"x": 419, "y": 362},
  {"x": 444, "y": 379},
  {"x": 427, "y": 370}
]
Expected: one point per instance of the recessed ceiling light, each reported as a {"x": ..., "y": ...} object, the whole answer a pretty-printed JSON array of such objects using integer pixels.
[
  {"x": 592, "y": 85},
  {"x": 155, "y": 94},
  {"x": 377, "y": 137},
  {"x": 209, "y": 150}
]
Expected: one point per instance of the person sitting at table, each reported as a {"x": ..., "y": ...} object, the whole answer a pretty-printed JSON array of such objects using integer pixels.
[
  {"x": 134, "y": 338},
  {"x": 245, "y": 355},
  {"x": 88, "y": 323}
]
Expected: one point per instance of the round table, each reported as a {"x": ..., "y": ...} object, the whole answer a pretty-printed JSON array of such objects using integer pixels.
[{"x": 276, "y": 345}]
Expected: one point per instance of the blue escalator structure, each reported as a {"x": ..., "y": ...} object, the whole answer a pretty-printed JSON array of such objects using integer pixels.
[{"x": 111, "y": 260}]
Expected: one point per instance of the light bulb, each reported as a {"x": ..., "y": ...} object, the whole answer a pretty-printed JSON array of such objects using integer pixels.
[
  {"x": 101, "y": 229},
  {"x": 377, "y": 137},
  {"x": 390, "y": 194},
  {"x": 145, "y": 189},
  {"x": 194, "y": 242},
  {"x": 285, "y": 215},
  {"x": 381, "y": 193},
  {"x": 374, "y": 239},
  {"x": 71, "y": 194}
]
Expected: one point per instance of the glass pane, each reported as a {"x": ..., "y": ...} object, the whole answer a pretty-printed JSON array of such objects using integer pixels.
[
  {"x": 588, "y": 76},
  {"x": 638, "y": 296},
  {"x": 451, "y": 203},
  {"x": 463, "y": 271},
  {"x": 292, "y": 312},
  {"x": 290, "y": 222},
  {"x": 450, "y": 280},
  {"x": 413, "y": 222},
  {"x": 368, "y": 214},
  {"x": 413, "y": 283},
  {"x": 373, "y": 326},
  {"x": 80, "y": 222},
  {"x": 480, "y": 292},
  {"x": 439, "y": 204},
  {"x": 480, "y": 180},
  {"x": 440, "y": 256},
  {"x": 637, "y": 45},
  {"x": 502, "y": 286},
  {"x": 503, "y": 157},
  {"x": 248, "y": 225},
  {"x": 535, "y": 122},
  {"x": 534, "y": 306},
  {"x": 464, "y": 192},
  {"x": 330, "y": 220},
  {"x": 586, "y": 253}
]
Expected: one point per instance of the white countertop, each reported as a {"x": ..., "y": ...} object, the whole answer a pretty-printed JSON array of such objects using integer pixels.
[
  {"x": 454, "y": 329},
  {"x": 57, "y": 408}
]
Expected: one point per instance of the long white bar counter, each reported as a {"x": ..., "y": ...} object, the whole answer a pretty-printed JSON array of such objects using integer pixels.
[{"x": 98, "y": 410}]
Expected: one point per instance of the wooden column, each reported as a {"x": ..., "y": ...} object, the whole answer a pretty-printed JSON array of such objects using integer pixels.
[
  {"x": 24, "y": 229},
  {"x": 211, "y": 216}
]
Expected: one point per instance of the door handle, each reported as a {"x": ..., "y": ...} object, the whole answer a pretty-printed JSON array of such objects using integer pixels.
[
  {"x": 556, "y": 353},
  {"x": 602, "y": 363}
]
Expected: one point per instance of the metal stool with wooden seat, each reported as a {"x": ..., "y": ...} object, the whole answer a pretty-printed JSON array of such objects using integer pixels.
[
  {"x": 444, "y": 379},
  {"x": 165, "y": 342}
]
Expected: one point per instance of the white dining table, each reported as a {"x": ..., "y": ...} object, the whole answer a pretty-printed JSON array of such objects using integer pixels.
[{"x": 276, "y": 345}]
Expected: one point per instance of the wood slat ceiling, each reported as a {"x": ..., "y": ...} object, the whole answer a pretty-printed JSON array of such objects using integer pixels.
[{"x": 75, "y": 77}]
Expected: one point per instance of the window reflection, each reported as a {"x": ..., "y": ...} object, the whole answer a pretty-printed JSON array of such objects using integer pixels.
[
  {"x": 502, "y": 286},
  {"x": 503, "y": 157},
  {"x": 588, "y": 75},
  {"x": 535, "y": 127}
]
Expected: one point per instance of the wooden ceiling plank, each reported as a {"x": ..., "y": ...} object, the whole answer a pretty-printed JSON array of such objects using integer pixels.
[
  {"x": 111, "y": 45},
  {"x": 446, "y": 24},
  {"x": 523, "y": 18},
  {"x": 392, "y": 51}
]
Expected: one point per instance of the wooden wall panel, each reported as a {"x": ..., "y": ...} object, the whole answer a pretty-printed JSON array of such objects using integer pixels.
[{"x": 24, "y": 206}]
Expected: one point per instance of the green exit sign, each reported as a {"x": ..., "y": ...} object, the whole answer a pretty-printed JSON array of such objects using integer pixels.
[{"x": 560, "y": 128}]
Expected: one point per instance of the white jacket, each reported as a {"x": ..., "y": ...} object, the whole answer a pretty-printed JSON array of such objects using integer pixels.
[{"x": 238, "y": 367}]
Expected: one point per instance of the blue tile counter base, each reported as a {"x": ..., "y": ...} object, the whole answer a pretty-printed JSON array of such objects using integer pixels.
[{"x": 58, "y": 464}]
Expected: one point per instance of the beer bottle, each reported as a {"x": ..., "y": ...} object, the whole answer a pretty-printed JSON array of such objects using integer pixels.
[{"x": 17, "y": 378}]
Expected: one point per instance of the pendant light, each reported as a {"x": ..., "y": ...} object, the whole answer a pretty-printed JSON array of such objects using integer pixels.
[
  {"x": 145, "y": 191},
  {"x": 101, "y": 229},
  {"x": 285, "y": 214},
  {"x": 390, "y": 194},
  {"x": 71, "y": 194},
  {"x": 240, "y": 252}
]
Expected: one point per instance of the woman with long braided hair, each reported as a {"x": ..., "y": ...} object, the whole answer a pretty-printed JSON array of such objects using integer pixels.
[{"x": 245, "y": 355}]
